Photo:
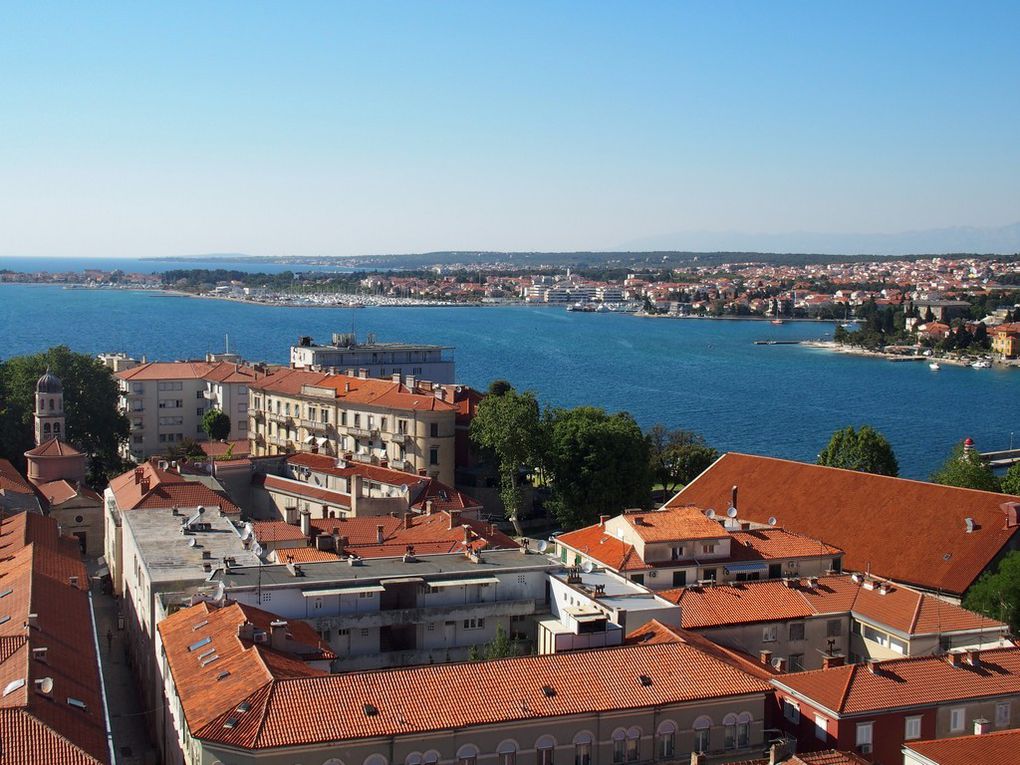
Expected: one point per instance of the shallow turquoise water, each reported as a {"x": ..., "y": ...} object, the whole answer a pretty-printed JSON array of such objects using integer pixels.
[{"x": 777, "y": 400}]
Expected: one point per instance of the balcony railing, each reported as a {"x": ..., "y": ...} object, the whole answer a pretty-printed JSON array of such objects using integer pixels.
[
  {"x": 362, "y": 432},
  {"x": 397, "y": 438},
  {"x": 385, "y": 618}
]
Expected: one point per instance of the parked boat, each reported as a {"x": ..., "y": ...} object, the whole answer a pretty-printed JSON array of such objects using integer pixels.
[
  {"x": 981, "y": 364},
  {"x": 934, "y": 365},
  {"x": 777, "y": 321}
]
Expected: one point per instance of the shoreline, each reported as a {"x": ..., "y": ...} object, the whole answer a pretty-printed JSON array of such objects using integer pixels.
[{"x": 849, "y": 350}]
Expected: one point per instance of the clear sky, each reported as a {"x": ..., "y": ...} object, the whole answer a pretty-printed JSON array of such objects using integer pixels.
[{"x": 149, "y": 129}]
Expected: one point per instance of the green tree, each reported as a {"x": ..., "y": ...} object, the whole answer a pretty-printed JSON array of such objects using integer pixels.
[
  {"x": 186, "y": 449},
  {"x": 499, "y": 387},
  {"x": 502, "y": 646},
  {"x": 997, "y": 595},
  {"x": 965, "y": 469},
  {"x": 508, "y": 425},
  {"x": 598, "y": 464},
  {"x": 677, "y": 457},
  {"x": 93, "y": 423},
  {"x": 1011, "y": 481},
  {"x": 865, "y": 450},
  {"x": 216, "y": 424}
]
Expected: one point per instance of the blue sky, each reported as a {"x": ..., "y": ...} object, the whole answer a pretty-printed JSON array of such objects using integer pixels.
[{"x": 304, "y": 128}]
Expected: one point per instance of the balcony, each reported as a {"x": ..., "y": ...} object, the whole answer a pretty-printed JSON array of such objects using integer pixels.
[
  {"x": 397, "y": 438},
  {"x": 362, "y": 432},
  {"x": 400, "y": 464},
  {"x": 258, "y": 415},
  {"x": 314, "y": 426},
  {"x": 209, "y": 395},
  {"x": 485, "y": 610}
]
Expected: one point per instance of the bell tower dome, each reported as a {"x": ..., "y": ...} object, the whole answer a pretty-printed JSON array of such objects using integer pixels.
[{"x": 49, "y": 408}]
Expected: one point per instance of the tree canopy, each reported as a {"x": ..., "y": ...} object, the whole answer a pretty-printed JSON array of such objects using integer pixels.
[
  {"x": 1011, "y": 481},
  {"x": 93, "y": 424},
  {"x": 216, "y": 424},
  {"x": 598, "y": 463},
  {"x": 865, "y": 450},
  {"x": 677, "y": 457},
  {"x": 965, "y": 469},
  {"x": 997, "y": 595}
]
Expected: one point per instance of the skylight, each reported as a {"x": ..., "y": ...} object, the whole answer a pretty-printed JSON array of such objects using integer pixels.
[
  {"x": 77, "y": 703},
  {"x": 200, "y": 625},
  {"x": 5, "y": 618},
  {"x": 14, "y": 685},
  {"x": 199, "y": 644},
  {"x": 6, "y": 592}
]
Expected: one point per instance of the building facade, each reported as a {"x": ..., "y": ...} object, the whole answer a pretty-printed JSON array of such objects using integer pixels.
[{"x": 426, "y": 362}]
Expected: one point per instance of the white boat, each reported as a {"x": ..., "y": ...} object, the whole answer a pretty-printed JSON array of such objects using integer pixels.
[
  {"x": 934, "y": 365},
  {"x": 981, "y": 364}
]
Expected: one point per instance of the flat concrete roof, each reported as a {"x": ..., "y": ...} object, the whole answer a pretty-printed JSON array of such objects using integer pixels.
[
  {"x": 166, "y": 552},
  {"x": 619, "y": 593},
  {"x": 445, "y": 567}
]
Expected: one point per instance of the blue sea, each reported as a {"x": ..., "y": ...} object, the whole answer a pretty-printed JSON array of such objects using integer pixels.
[
  {"x": 708, "y": 376},
  {"x": 137, "y": 266}
]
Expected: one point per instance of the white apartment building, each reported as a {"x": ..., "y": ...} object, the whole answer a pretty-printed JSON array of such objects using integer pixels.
[{"x": 426, "y": 362}]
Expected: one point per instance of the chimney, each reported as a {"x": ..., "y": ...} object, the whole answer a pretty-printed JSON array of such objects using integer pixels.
[
  {"x": 246, "y": 631},
  {"x": 779, "y": 752},
  {"x": 144, "y": 483},
  {"x": 837, "y": 660},
  {"x": 874, "y": 666},
  {"x": 422, "y": 472},
  {"x": 379, "y": 534},
  {"x": 362, "y": 374},
  {"x": 139, "y": 472},
  {"x": 440, "y": 392},
  {"x": 411, "y": 380},
  {"x": 639, "y": 520},
  {"x": 973, "y": 657},
  {"x": 602, "y": 520},
  {"x": 982, "y": 726},
  {"x": 953, "y": 659},
  {"x": 33, "y": 621},
  {"x": 408, "y": 520},
  {"x": 428, "y": 507},
  {"x": 278, "y": 634},
  {"x": 39, "y": 653},
  {"x": 347, "y": 387},
  {"x": 306, "y": 523},
  {"x": 779, "y": 664},
  {"x": 1010, "y": 510},
  {"x": 324, "y": 542},
  {"x": 765, "y": 656},
  {"x": 698, "y": 758},
  {"x": 396, "y": 377}
]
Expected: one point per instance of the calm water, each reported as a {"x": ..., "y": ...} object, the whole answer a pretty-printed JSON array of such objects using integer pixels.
[
  {"x": 704, "y": 375},
  {"x": 130, "y": 265}
]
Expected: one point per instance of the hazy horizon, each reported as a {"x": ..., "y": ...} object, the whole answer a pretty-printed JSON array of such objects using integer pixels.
[{"x": 335, "y": 129}]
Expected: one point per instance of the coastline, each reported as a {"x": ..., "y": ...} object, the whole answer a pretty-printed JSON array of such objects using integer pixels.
[{"x": 849, "y": 350}]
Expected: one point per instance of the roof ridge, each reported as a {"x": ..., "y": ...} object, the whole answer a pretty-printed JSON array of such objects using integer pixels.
[
  {"x": 917, "y": 611},
  {"x": 846, "y": 687}
]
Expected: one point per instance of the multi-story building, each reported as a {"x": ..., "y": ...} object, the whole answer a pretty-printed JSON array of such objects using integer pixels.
[
  {"x": 932, "y": 537},
  {"x": 799, "y": 624},
  {"x": 165, "y": 401},
  {"x": 681, "y": 545},
  {"x": 876, "y": 708},
  {"x": 235, "y": 699},
  {"x": 1006, "y": 340},
  {"x": 408, "y": 424},
  {"x": 426, "y": 362}
]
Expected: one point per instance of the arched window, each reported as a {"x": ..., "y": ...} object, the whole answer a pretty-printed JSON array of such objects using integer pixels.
[
  {"x": 56, "y": 428},
  {"x": 467, "y": 755},
  {"x": 582, "y": 748},
  {"x": 703, "y": 734},
  {"x": 545, "y": 749},
  {"x": 633, "y": 744},
  {"x": 666, "y": 740},
  {"x": 730, "y": 727},
  {"x": 375, "y": 759},
  {"x": 507, "y": 751},
  {"x": 46, "y": 427},
  {"x": 414, "y": 758},
  {"x": 619, "y": 745},
  {"x": 51, "y": 404},
  {"x": 430, "y": 757},
  {"x": 744, "y": 720}
]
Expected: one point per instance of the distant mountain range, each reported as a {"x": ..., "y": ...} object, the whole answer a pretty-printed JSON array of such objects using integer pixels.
[{"x": 1000, "y": 240}]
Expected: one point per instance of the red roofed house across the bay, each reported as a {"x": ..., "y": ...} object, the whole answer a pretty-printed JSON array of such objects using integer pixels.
[
  {"x": 937, "y": 538},
  {"x": 52, "y": 708},
  {"x": 637, "y": 703},
  {"x": 680, "y": 545},
  {"x": 875, "y": 708}
]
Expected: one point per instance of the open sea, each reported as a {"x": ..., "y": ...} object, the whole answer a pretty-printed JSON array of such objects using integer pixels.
[{"x": 708, "y": 376}]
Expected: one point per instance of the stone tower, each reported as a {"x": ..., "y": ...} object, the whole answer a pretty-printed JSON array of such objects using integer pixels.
[{"x": 49, "y": 408}]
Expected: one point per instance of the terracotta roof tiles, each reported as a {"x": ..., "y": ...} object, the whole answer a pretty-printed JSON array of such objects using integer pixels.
[{"x": 1001, "y": 748}]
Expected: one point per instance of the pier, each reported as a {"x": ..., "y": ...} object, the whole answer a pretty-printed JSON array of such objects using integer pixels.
[
  {"x": 777, "y": 342},
  {"x": 1001, "y": 459}
]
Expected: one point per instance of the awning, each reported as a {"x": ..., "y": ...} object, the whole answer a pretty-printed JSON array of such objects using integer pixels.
[
  {"x": 586, "y": 615},
  {"x": 459, "y": 582},
  {"x": 734, "y": 568},
  {"x": 342, "y": 591},
  {"x": 310, "y": 439},
  {"x": 320, "y": 441},
  {"x": 404, "y": 580}
]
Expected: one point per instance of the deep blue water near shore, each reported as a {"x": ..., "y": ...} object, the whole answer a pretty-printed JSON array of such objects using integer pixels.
[{"x": 705, "y": 375}]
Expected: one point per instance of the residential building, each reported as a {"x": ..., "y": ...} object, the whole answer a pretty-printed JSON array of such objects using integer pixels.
[
  {"x": 1001, "y": 748},
  {"x": 166, "y": 401},
  {"x": 876, "y": 709},
  {"x": 253, "y": 703},
  {"x": 405, "y": 423},
  {"x": 1005, "y": 340},
  {"x": 425, "y": 362},
  {"x": 799, "y": 624},
  {"x": 683, "y": 544},
  {"x": 53, "y": 706},
  {"x": 414, "y": 609},
  {"x": 932, "y": 537},
  {"x": 780, "y": 755},
  {"x": 334, "y": 487},
  {"x": 153, "y": 485}
]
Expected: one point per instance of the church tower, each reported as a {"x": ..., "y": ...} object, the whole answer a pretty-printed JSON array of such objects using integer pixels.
[{"x": 49, "y": 408}]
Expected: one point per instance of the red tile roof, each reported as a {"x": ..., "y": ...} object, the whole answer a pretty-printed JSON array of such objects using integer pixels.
[
  {"x": 855, "y": 689},
  {"x": 53, "y": 448},
  {"x": 354, "y": 390},
  {"x": 674, "y": 523},
  {"x": 11, "y": 480},
  {"x": 237, "y": 449},
  {"x": 1001, "y": 748},
  {"x": 655, "y": 632},
  {"x": 167, "y": 488},
  {"x": 828, "y": 757},
  {"x": 909, "y": 531},
  {"x": 60, "y": 491},
  {"x": 901, "y": 608},
  {"x": 301, "y": 489},
  {"x": 776, "y": 544}
]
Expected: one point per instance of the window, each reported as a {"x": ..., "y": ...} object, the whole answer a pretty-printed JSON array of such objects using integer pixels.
[
  {"x": 199, "y": 412},
  {"x": 875, "y": 636},
  {"x": 545, "y": 747},
  {"x": 433, "y": 430},
  {"x": 474, "y": 624},
  {"x": 619, "y": 745},
  {"x": 791, "y": 710},
  {"x": 507, "y": 752},
  {"x": 797, "y": 631},
  {"x": 582, "y": 749},
  {"x": 795, "y": 662},
  {"x": 702, "y": 734},
  {"x": 433, "y": 456},
  {"x": 467, "y": 755},
  {"x": 730, "y": 728},
  {"x": 913, "y": 729},
  {"x": 708, "y": 549},
  {"x": 357, "y": 420},
  {"x": 744, "y": 730},
  {"x": 833, "y": 628},
  {"x": 769, "y": 632},
  {"x": 638, "y": 578},
  {"x": 679, "y": 578},
  {"x": 775, "y": 570},
  {"x": 897, "y": 645},
  {"x": 820, "y": 728},
  {"x": 402, "y": 427},
  {"x": 677, "y": 553},
  {"x": 666, "y": 745},
  {"x": 633, "y": 744},
  {"x": 710, "y": 574},
  {"x": 864, "y": 731},
  {"x": 1002, "y": 714},
  {"x": 957, "y": 719}
]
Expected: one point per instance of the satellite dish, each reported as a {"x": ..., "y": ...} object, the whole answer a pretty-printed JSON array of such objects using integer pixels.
[
  {"x": 404, "y": 488},
  {"x": 588, "y": 567},
  {"x": 192, "y": 542},
  {"x": 710, "y": 513},
  {"x": 46, "y": 685},
  {"x": 731, "y": 512},
  {"x": 772, "y": 520},
  {"x": 200, "y": 510},
  {"x": 543, "y": 546}
]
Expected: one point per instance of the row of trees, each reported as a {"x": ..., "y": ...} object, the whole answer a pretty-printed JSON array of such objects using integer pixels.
[{"x": 592, "y": 463}]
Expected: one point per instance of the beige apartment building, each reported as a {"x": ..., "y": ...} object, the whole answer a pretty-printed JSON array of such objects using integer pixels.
[{"x": 402, "y": 423}]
